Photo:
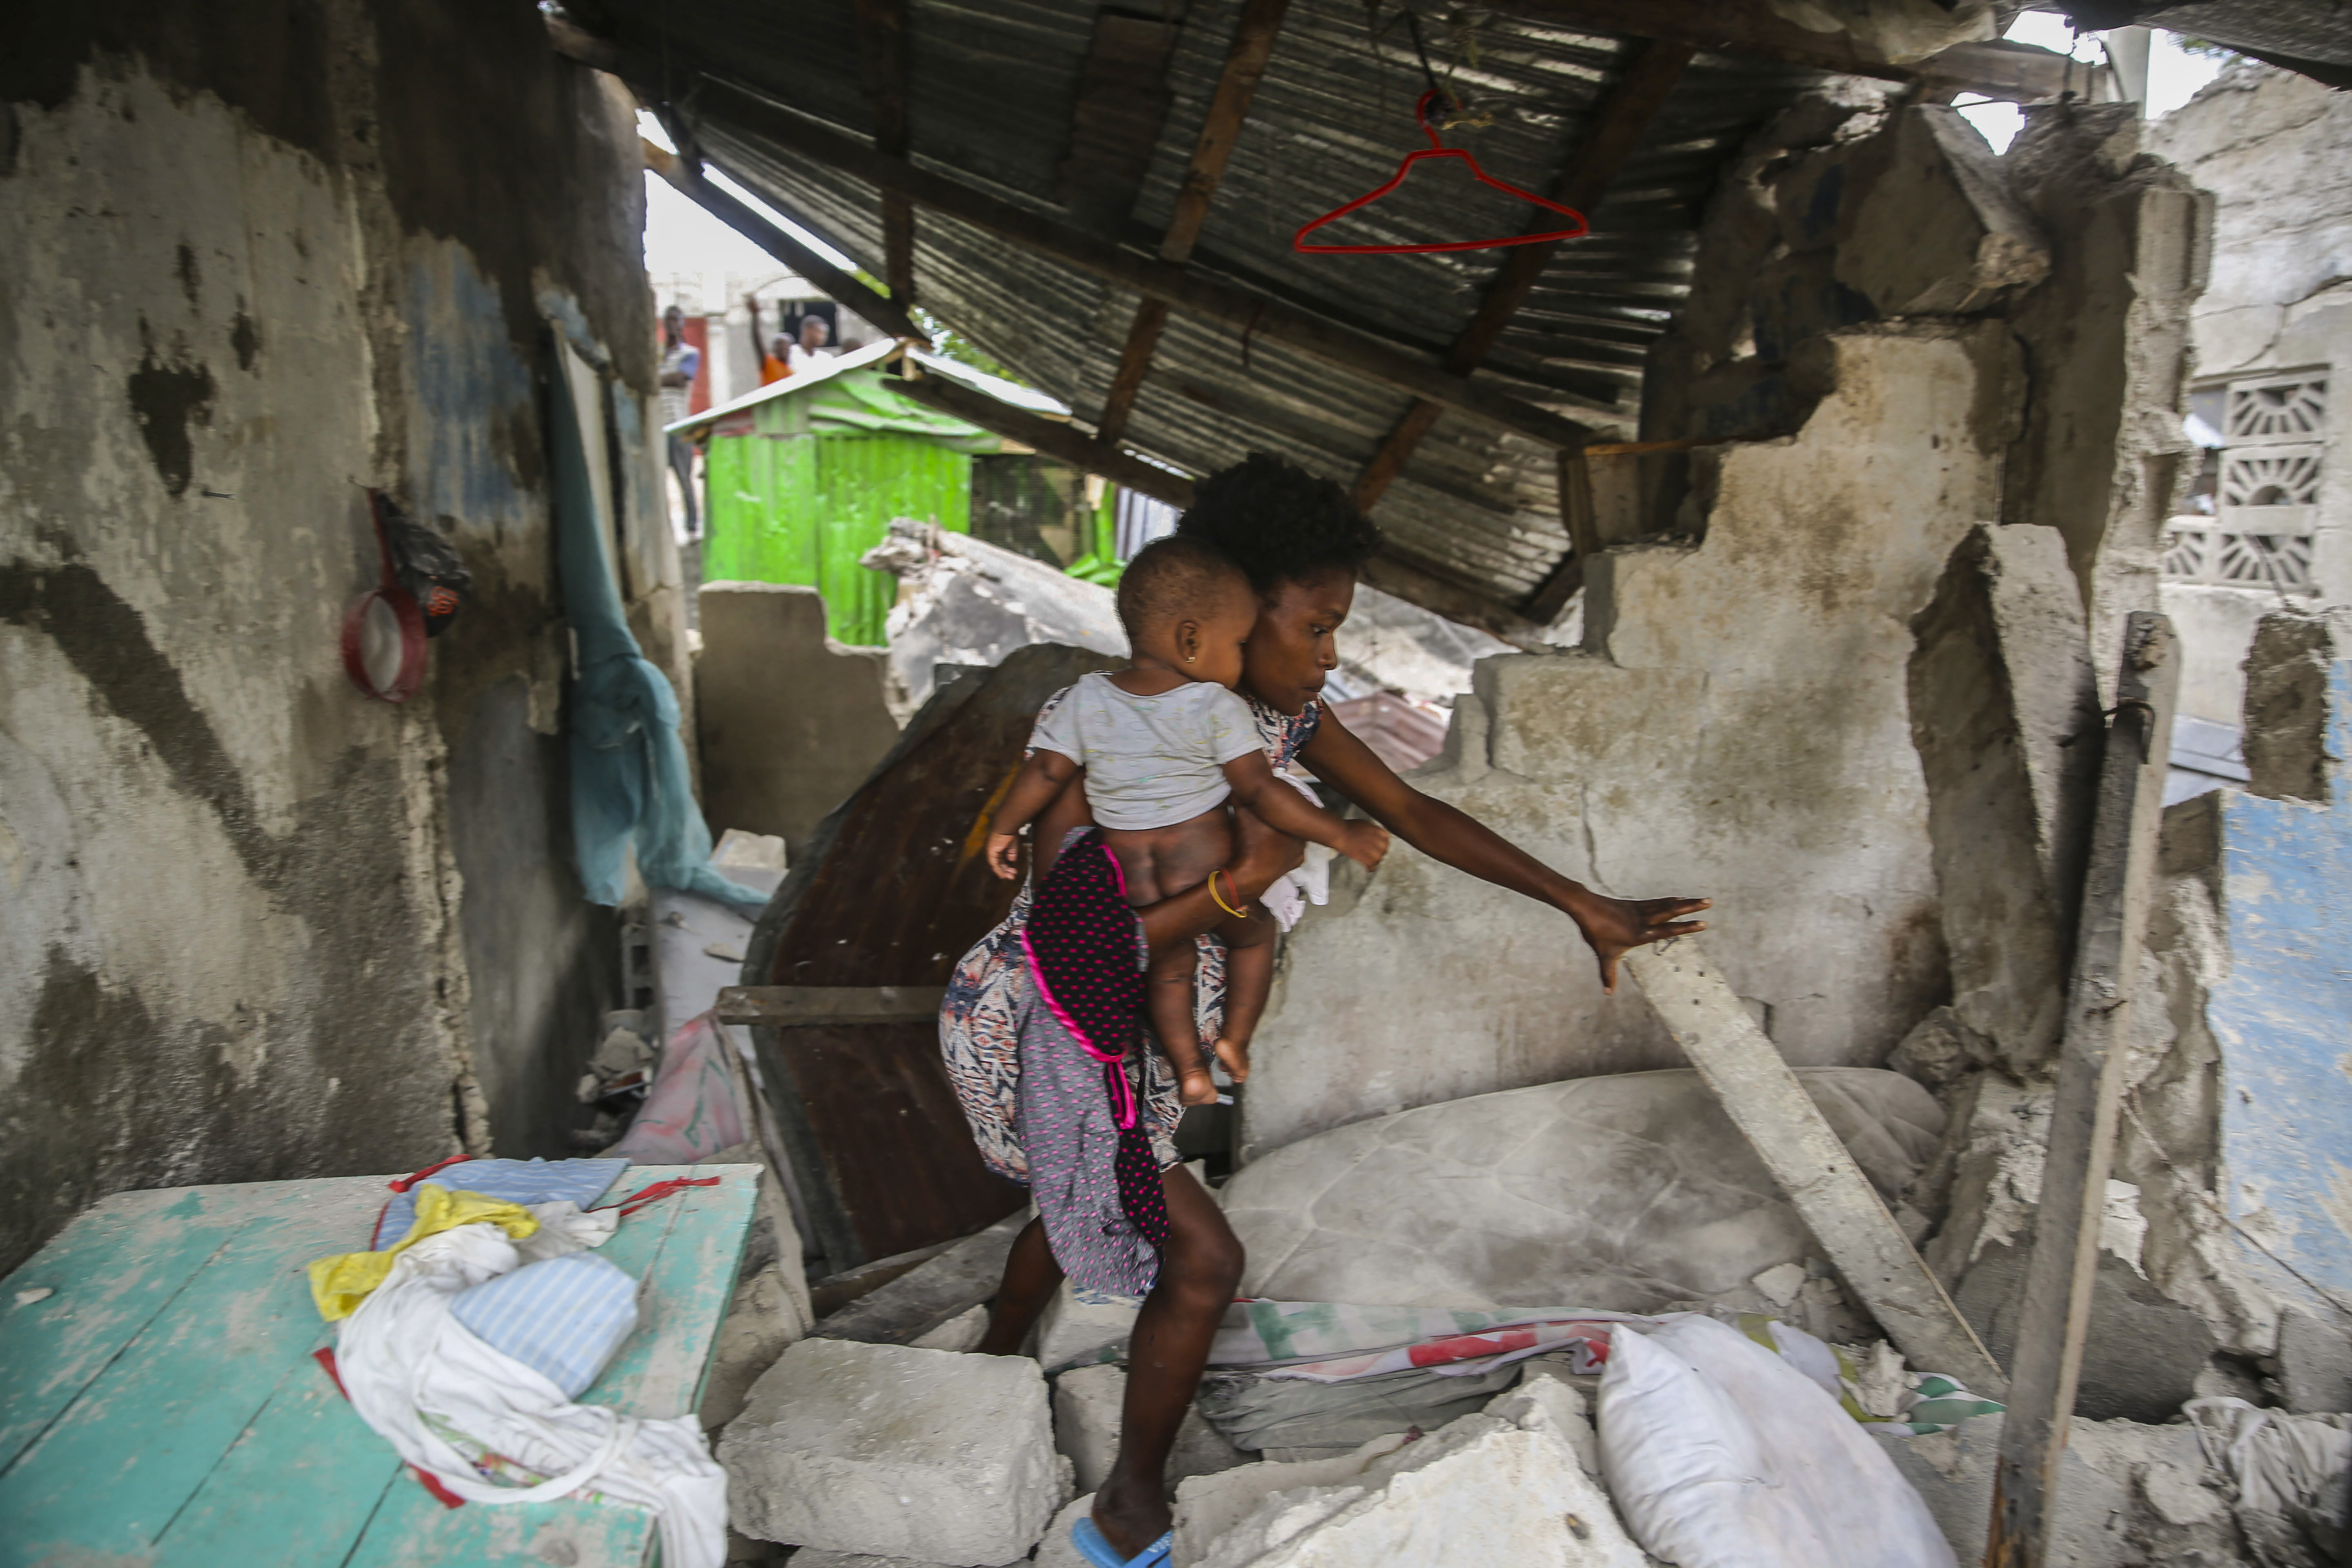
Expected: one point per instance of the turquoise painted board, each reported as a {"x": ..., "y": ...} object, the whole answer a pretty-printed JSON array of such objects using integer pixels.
[{"x": 161, "y": 1405}]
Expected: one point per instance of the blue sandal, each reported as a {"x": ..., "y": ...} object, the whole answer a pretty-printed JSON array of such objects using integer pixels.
[{"x": 1096, "y": 1550}]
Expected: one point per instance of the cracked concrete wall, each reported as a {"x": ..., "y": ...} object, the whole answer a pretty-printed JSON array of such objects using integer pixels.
[
  {"x": 260, "y": 254},
  {"x": 1735, "y": 726},
  {"x": 2273, "y": 148},
  {"x": 2106, "y": 337}
]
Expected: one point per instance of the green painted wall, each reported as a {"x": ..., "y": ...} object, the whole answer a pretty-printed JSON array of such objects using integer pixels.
[{"x": 815, "y": 482}]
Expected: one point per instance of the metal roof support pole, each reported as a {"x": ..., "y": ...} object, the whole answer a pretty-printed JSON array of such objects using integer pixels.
[
  {"x": 1246, "y": 59},
  {"x": 2048, "y": 1362},
  {"x": 886, "y": 314},
  {"x": 1605, "y": 143},
  {"x": 883, "y": 48}
]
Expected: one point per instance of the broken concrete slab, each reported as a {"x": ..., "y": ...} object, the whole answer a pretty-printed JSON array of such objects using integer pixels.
[
  {"x": 762, "y": 1321},
  {"x": 1086, "y": 1423},
  {"x": 1936, "y": 230},
  {"x": 931, "y": 1293},
  {"x": 1477, "y": 1493},
  {"x": 789, "y": 722},
  {"x": 1078, "y": 1328},
  {"x": 2128, "y": 1494},
  {"x": 1057, "y": 1549},
  {"x": 1632, "y": 1193},
  {"x": 959, "y": 1333},
  {"x": 896, "y": 1452},
  {"x": 2314, "y": 1357},
  {"x": 855, "y": 1559},
  {"x": 1209, "y": 1506},
  {"x": 2001, "y": 694}
]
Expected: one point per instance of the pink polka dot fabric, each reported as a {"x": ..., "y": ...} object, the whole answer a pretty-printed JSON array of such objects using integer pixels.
[{"x": 1104, "y": 1212}]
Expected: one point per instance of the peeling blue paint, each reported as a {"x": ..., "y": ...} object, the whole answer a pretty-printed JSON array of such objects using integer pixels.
[
  {"x": 2284, "y": 1015},
  {"x": 476, "y": 397}
]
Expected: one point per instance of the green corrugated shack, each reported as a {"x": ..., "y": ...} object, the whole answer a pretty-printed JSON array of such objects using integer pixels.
[{"x": 802, "y": 477}]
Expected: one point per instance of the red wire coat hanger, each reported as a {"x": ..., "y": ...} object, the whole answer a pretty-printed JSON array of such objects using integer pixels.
[{"x": 1437, "y": 148}]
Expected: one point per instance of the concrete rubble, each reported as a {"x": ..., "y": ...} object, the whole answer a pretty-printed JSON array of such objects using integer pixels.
[
  {"x": 1086, "y": 1402},
  {"x": 1505, "y": 1487},
  {"x": 965, "y": 601},
  {"x": 897, "y": 1452},
  {"x": 2128, "y": 1494}
]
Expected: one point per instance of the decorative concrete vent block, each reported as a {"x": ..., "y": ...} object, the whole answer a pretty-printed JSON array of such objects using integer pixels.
[{"x": 897, "y": 1452}]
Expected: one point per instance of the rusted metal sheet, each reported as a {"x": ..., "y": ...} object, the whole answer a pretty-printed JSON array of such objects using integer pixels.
[{"x": 891, "y": 892}]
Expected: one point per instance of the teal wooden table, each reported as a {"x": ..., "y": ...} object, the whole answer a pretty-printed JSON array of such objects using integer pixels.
[{"x": 159, "y": 1406}]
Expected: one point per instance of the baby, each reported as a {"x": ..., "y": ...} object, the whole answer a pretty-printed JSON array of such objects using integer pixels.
[{"x": 1165, "y": 744}]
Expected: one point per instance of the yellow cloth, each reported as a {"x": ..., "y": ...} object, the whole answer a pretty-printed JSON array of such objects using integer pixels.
[{"x": 338, "y": 1284}]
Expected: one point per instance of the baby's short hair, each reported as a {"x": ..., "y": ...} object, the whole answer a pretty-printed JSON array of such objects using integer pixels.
[{"x": 1172, "y": 578}]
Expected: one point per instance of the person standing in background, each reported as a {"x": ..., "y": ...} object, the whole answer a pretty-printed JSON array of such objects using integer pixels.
[
  {"x": 776, "y": 357},
  {"x": 680, "y": 362},
  {"x": 815, "y": 332}
]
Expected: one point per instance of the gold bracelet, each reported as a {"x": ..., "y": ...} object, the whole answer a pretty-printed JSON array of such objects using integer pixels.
[{"x": 1237, "y": 892}]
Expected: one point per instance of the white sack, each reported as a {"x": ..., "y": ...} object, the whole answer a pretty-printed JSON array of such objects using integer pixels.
[{"x": 1721, "y": 1454}]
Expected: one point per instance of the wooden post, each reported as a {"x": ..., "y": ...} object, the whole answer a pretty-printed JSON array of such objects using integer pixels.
[
  {"x": 2057, "y": 1312},
  {"x": 1797, "y": 1146}
]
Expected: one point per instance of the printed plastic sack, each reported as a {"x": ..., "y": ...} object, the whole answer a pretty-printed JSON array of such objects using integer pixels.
[{"x": 691, "y": 1113}]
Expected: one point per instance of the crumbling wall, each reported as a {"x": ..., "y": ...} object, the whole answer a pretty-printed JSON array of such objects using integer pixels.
[
  {"x": 260, "y": 254},
  {"x": 2101, "y": 449},
  {"x": 1735, "y": 724},
  {"x": 2273, "y": 148}
]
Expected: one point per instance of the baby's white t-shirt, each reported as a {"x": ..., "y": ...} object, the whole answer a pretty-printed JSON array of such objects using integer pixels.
[{"x": 1151, "y": 762}]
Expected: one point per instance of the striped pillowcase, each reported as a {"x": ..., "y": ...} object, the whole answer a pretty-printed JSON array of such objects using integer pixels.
[
  {"x": 562, "y": 1317},
  {"x": 524, "y": 1182}
]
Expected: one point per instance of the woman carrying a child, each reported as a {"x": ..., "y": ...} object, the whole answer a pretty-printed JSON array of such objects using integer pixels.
[{"x": 1045, "y": 997}]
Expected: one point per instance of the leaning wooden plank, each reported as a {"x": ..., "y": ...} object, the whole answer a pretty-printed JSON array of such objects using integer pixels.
[
  {"x": 1828, "y": 1190},
  {"x": 2057, "y": 1311},
  {"x": 792, "y": 1007},
  {"x": 112, "y": 1472}
]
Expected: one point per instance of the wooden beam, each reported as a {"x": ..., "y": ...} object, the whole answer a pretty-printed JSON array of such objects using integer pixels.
[
  {"x": 884, "y": 313},
  {"x": 1238, "y": 308},
  {"x": 1770, "y": 1106},
  {"x": 806, "y": 1006},
  {"x": 1054, "y": 437},
  {"x": 2048, "y": 1363},
  {"x": 1750, "y": 28},
  {"x": 882, "y": 54},
  {"x": 1551, "y": 597},
  {"x": 1610, "y": 132},
  {"x": 1246, "y": 60}
]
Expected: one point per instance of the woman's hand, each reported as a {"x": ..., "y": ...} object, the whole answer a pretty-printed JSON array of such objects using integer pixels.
[
  {"x": 1004, "y": 855},
  {"x": 1615, "y": 927}
]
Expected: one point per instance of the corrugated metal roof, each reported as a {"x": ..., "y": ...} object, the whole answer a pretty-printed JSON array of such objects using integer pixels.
[{"x": 992, "y": 92}]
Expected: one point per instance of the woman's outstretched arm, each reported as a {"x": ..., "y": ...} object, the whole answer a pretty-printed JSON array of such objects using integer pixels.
[{"x": 1611, "y": 927}]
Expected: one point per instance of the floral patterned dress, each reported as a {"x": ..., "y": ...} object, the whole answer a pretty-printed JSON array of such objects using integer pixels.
[{"x": 990, "y": 995}]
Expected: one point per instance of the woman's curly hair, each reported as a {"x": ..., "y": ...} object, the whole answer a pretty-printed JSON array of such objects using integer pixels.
[{"x": 1278, "y": 522}]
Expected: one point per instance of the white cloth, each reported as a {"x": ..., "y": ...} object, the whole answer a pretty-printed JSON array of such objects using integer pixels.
[
  {"x": 443, "y": 1400},
  {"x": 1287, "y": 899},
  {"x": 564, "y": 1229},
  {"x": 1722, "y": 1455},
  {"x": 1151, "y": 762},
  {"x": 2288, "y": 1474}
]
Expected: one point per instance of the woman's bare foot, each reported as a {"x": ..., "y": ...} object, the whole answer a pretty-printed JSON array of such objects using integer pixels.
[
  {"x": 1234, "y": 1054},
  {"x": 1195, "y": 1087},
  {"x": 1131, "y": 1516}
]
